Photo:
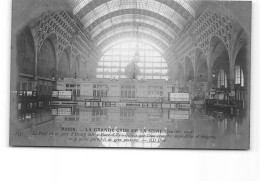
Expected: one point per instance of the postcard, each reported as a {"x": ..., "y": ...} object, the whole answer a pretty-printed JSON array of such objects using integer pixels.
[{"x": 158, "y": 74}]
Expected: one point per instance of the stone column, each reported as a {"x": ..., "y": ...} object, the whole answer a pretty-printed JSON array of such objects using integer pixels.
[
  {"x": 231, "y": 73},
  {"x": 195, "y": 82},
  {"x": 210, "y": 79},
  {"x": 35, "y": 81}
]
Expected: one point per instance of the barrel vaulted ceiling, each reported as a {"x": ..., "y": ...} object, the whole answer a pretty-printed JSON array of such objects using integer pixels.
[{"x": 158, "y": 21}]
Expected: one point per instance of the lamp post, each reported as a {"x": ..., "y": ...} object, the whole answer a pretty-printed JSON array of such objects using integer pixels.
[
  {"x": 53, "y": 74},
  {"x": 54, "y": 87},
  {"x": 75, "y": 75}
]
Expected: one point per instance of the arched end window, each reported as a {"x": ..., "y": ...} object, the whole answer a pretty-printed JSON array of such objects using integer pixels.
[
  {"x": 239, "y": 76},
  {"x": 222, "y": 79},
  {"x": 116, "y": 61}
]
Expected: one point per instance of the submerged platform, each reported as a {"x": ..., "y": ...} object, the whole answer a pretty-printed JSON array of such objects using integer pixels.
[{"x": 123, "y": 104}]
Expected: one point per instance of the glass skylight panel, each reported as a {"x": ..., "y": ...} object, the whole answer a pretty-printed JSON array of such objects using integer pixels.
[
  {"x": 142, "y": 59},
  {"x": 108, "y": 70},
  {"x": 80, "y": 5},
  {"x": 157, "y": 59},
  {"x": 142, "y": 71},
  {"x": 195, "y": 4},
  {"x": 185, "y": 5},
  {"x": 107, "y": 64},
  {"x": 115, "y": 41},
  {"x": 124, "y": 58},
  {"x": 177, "y": 20},
  {"x": 141, "y": 65},
  {"x": 100, "y": 70},
  {"x": 130, "y": 29},
  {"x": 74, "y": 3},
  {"x": 164, "y": 71},
  {"x": 141, "y": 52},
  {"x": 110, "y": 52},
  {"x": 117, "y": 20},
  {"x": 115, "y": 70},
  {"x": 157, "y": 65},
  {"x": 149, "y": 71},
  {"x": 108, "y": 58},
  {"x": 116, "y": 58},
  {"x": 164, "y": 65},
  {"x": 116, "y": 52},
  {"x": 157, "y": 71},
  {"x": 124, "y": 52},
  {"x": 149, "y": 52},
  {"x": 150, "y": 5},
  {"x": 148, "y": 58},
  {"x": 100, "y": 76},
  {"x": 131, "y": 53},
  {"x": 124, "y": 64}
]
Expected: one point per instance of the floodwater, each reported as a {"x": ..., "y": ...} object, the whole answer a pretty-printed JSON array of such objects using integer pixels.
[{"x": 126, "y": 127}]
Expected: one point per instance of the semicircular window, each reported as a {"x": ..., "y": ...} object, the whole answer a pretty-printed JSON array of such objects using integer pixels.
[{"x": 148, "y": 61}]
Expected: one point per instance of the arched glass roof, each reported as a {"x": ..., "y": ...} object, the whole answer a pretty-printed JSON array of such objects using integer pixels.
[
  {"x": 161, "y": 21},
  {"x": 136, "y": 13},
  {"x": 130, "y": 28},
  {"x": 149, "y": 5},
  {"x": 180, "y": 5},
  {"x": 132, "y": 18},
  {"x": 132, "y": 25},
  {"x": 143, "y": 36}
]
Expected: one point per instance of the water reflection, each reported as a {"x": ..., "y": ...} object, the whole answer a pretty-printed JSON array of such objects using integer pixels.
[{"x": 78, "y": 126}]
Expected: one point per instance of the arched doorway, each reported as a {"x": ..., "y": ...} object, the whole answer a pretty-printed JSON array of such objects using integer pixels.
[
  {"x": 189, "y": 76},
  {"x": 47, "y": 59},
  {"x": 189, "y": 70},
  {"x": 82, "y": 69},
  {"x": 202, "y": 74},
  {"x": 25, "y": 60},
  {"x": 46, "y": 67},
  {"x": 26, "y": 52},
  {"x": 64, "y": 64},
  {"x": 75, "y": 67},
  {"x": 220, "y": 64},
  {"x": 79, "y": 67},
  {"x": 242, "y": 76},
  {"x": 176, "y": 72}
]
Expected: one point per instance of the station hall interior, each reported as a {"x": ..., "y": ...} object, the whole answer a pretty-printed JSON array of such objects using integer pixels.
[{"x": 131, "y": 54}]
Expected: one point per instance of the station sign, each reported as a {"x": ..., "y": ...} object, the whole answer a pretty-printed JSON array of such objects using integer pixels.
[
  {"x": 179, "y": 97},
  {"x": 55, "y": 94},
  {"x": 64, "y": 111},
  {"x": 65, "y": 95}
]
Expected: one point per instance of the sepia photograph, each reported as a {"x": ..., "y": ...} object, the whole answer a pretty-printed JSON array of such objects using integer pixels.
[{"x": 149, "y": 74}]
